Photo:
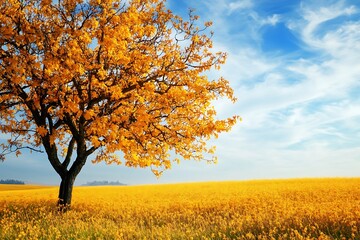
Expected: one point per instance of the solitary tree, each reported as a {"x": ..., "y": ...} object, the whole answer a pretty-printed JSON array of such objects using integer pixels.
[{"x": 98, "y": 77}]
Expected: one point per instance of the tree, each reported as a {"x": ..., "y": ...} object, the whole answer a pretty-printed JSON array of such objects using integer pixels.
[
  {"x": 11, "y": 181},
  {"x": 98, "y": 77}
]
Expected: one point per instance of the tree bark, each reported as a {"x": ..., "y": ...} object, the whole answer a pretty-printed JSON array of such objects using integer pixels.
[
  {"x": 65, "y": 192},
  {"x": 67, "y": 182}
]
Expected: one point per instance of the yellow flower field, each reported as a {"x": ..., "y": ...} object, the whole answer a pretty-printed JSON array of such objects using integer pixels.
[{"x": 269, "y": 209}]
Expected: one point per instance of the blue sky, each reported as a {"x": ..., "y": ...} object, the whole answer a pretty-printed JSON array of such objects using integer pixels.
[{"x": 295, "y": 69}]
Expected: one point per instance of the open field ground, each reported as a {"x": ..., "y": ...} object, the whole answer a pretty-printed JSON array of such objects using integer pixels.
[{"x": 272, "y": 209}]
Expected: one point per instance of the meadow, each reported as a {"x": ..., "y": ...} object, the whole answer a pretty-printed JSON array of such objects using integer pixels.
[{"x": 261, "y": 209}]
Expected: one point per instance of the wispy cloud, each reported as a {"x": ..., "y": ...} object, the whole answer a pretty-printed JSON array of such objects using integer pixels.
[
  {"x": 261, "y": 21},
  {"x": 299, "y": 106},
  {"x": 239, "y": 5},
  {"x": 296, "y": 109},
  {"x": 323, "y": 32}
]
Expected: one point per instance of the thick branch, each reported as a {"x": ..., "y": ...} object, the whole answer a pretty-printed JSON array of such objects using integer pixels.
[
  {"x": 51, "y": 151},
  {"x": 90, "y": 151},
  {"x": 69, "y": 153},
  {"x": 72, "y": 126}
]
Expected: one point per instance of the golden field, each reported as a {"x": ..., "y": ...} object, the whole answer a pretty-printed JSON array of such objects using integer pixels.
[{"x": 269, "y": 209}]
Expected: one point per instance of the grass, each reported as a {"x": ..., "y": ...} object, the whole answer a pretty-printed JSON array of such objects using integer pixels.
[
  {"x": 12, "y": 187},
  {"x": 271, "y": 209}
]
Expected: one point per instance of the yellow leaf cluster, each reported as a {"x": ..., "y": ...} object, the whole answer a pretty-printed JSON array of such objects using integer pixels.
[{"x": 112, "y": 76}]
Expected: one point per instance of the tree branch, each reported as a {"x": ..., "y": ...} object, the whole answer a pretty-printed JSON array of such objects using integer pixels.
[
  {"x": 69, "y": 153},
  {"x": 90, "y": 151}
]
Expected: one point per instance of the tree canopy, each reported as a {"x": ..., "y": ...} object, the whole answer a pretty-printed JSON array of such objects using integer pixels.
[{"x": 100, "y": 77}]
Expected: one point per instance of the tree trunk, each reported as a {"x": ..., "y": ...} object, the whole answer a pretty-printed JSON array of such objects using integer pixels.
[{"x": 65, "y": 192}]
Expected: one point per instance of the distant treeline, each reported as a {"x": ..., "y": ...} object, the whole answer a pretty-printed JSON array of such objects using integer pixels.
[
  {"x": 102, "y": 183},
  {"x": 11, "y": 181}
]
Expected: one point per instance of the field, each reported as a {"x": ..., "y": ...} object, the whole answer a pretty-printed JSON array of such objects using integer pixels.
[{"x": 269, "y": 209}]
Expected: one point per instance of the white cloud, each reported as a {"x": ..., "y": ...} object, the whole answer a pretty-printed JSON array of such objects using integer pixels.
[
  {"x": 239, "y": 5},
  {"x": 273, "y": 20},
  {"x": 263, "y": 20},
  {"x": 312, "y": 33},
  {"x": 316, "y": 115}
]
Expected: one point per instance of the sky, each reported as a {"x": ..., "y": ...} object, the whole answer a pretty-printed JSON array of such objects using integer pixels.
[{"x": 295, "y": 68}]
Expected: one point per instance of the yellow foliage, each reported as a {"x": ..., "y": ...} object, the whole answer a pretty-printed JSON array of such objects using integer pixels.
[
  {"x": 41, "y": 130},
  {"x": 103, "y": 76},
  {"x": 271, "y": 209}
]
